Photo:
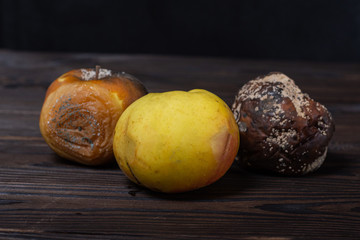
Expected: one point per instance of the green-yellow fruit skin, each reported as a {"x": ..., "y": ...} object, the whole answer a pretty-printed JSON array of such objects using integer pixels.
[{"x": 176, "y": 141}]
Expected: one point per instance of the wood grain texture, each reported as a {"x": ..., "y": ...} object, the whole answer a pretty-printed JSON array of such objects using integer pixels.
[{"x": 45, "y": 197}]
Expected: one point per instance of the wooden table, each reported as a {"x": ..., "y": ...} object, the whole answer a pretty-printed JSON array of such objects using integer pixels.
[{"x": 45, "y": 197}]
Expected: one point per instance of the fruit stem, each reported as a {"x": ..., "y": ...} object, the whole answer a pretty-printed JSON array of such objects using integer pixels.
[{"x": 97, "y": 69}]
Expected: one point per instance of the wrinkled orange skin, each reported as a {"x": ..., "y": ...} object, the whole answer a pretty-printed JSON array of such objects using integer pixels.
[{"x": 78, "y": 116}]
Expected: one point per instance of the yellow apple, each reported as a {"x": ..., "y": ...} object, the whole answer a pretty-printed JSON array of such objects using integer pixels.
[{"x": 176, "y": 141}]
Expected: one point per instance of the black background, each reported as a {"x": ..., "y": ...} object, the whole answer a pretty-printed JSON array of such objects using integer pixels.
[{"x": 302, "y": 30}]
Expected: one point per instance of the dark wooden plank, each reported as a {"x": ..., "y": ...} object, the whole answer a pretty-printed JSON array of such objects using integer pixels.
[
  {"x": 45, "y": 197},
  {"x": 163, "y": 73}
]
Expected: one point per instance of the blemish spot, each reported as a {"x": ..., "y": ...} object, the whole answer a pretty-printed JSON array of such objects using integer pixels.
[{"x": 86, "y": 139}]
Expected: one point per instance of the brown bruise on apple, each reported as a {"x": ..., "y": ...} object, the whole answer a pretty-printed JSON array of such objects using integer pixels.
[
  {"x": 224, "y": 145},
  {"x": 80, "y": 127}
]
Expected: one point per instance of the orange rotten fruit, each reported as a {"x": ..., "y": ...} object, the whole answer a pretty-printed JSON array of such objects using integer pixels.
[{"x": 81, "y": 109}]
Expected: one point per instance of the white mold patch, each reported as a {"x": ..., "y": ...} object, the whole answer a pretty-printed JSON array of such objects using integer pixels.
[{"x": 90, "y": 74}]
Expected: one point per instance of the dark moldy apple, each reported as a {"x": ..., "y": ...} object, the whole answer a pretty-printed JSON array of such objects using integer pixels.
[
  {"x": 282, "y": 130},
  {"x": 81, "y": 109}
]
